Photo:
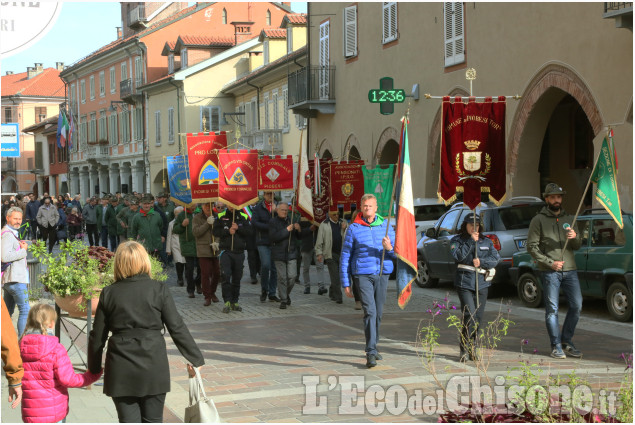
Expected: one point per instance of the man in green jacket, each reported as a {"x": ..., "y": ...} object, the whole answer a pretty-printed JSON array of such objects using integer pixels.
[
  {"x": 147, "y": 227},
  {"x": 187, "y": 241},
  {"x": 124, "y": 204},
  {"x": 551, "y": 242},
  {"x": 111, "y": 222},
  {"x": 125, "y": 217}
]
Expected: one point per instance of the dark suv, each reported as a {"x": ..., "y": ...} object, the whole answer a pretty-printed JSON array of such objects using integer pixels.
[
  {"x": 604, "y": 263},
  {"x": 506, "y": 226}
]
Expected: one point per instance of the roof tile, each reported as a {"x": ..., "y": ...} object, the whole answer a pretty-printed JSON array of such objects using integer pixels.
[
  {"x": 296, "y": 18},
  {"x": 47, "y": 83},
  {"x": 274, "y": 33}
]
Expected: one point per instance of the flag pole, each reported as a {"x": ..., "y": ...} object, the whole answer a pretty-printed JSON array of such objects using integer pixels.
[
  {"x": 297, "y": 189},
  {"x": 577, "y": 212},
  {"x": 392, "y": 198}
]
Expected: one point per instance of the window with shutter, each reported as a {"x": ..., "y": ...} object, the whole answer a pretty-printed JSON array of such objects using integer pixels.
[
  {"x": 82, "y": 85},
  {"x": 210, "y": 118},
  {"x": 389, "y": 21},
  {"x": 276, "y": 110},
  {"x": 350, "y": 31},
  {"x": 124, "y": 71},
  {"x": 170, "y": 125},
  {"x": 138, "y": 69},
  {"x": 113, "y": 80},
  {"x": 285, "y": 107},
  {"x": 324, "y": 61},
  {"x": 266, "y": 110},
  {"x": 102, "y": 84},
  {"x": 170, "y": 63},
  {"x": 454, "y": 44},
  {"x": 265, "y": 52},
  {"x": 92, "y": 87}
]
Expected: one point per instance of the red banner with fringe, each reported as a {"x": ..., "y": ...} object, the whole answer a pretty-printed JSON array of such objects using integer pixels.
[
  {"x": 238, "y": 182},
  {"x": 473, "y": 150},
  {"x": 202, "y": 156},
  {"x": 347, "y": 183},
  {"x": 275, "y": 173}
]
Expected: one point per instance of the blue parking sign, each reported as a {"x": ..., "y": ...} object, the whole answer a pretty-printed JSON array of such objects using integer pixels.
[{"x": 10, "y": 140}]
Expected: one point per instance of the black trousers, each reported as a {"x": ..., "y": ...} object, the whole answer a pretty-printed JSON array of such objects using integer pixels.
[
  {"x": 231, "y": 266},
  {"x": 472, "y": 315},
  {"x": 50, "y": 234},
  {"x": 190, "y": 265},
  {"x": 93, "y": 234},
  {"x": 140, "y": 409},
  {"x": 180, "y": 267},
  {"x": 254, "y": 262}
]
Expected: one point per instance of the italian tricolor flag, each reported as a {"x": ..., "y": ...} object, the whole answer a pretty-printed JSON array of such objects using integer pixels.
[{"x": 405, "y": 232}]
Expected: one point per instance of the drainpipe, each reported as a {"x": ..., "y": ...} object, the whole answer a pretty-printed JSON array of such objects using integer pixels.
[
  {"x": 308, "y": 69},
  {"x": 178, "y": 110},
  {"x": 257, "y": 101}
]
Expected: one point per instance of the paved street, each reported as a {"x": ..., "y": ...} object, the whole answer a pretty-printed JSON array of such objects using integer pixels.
[{"x": 256, "y": 359}]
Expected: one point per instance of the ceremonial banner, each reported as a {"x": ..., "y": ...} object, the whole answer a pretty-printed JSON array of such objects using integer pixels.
[
  {"x": 275, "y": 173},
  {"x": 321, "y": 201},
  {"x": 179, "y": 180},
  {"x": 378, "y": 181},
  {"x": 347, "y": 183},
  {"x": 238, "y": 182},
  {"x": 303, "y": 192},
  {"x": 605, "y": 177},
  {"x": 473, "y": 151},
  {"x": 202, "y": 155},
  {"x": 405, "y": 229}
]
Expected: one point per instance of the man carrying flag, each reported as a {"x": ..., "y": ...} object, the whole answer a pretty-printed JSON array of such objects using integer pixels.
[{"x": 367, "y": 238}]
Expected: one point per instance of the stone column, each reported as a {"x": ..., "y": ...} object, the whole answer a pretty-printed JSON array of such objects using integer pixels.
[
  {"x": 124, "y": 173},
  {"x": 114, "y": 175},
  {"x": 83, "y": 185},
  {"x": 93, "y": 179},
  {"x": 53, "y": 186},
  {"x": 73, "y": 182},
  {"x": 137, "y": 178},
  {"x": 40, "y": 186},
  {"x": 103, "y": 181}
]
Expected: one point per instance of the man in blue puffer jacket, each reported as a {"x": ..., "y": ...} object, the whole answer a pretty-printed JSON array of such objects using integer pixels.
[{"x": 364, "y": 243}]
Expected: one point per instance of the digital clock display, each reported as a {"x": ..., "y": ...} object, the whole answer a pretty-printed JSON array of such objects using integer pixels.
[{"x": 392, "y": 96}]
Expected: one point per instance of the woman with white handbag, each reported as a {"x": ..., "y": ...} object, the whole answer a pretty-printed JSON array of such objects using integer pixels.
[{"x": 135, "y": 309}]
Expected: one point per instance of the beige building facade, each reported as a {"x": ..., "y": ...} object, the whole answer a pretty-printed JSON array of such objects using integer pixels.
[{"x": 571, "y": 63}]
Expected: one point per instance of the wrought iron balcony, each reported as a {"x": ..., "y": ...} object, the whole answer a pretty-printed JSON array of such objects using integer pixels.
[
  {"x": 312, "y": 90},
  {"x": 128, "y": 93},
  {"x": 622, "y": 12}
]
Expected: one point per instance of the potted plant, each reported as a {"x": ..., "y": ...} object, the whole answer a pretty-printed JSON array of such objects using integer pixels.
[{"x": 73, "y": 276}]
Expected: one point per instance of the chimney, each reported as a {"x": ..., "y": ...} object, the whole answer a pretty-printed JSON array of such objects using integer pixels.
[
  {"x": 9, "y": 73},
  {"x": 59, "y": 66},
  {"x": 119, "y": 33},
  {"x": 32, "y": 71},
  {"x": 242, "y": 31}
]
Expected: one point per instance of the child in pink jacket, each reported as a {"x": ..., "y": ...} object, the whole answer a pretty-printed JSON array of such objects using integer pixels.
[{"x": 48, "y": 371}]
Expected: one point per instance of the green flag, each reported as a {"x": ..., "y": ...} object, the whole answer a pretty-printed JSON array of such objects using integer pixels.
[
  {"x": 605, "y": 177},
  {"x": 378, "y": 181}
]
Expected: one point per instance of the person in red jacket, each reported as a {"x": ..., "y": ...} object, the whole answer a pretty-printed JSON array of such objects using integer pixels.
[{"x": 48, "y": 370}]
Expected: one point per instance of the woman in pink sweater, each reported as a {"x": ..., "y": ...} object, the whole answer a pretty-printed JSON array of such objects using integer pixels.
[{"x": 48, "y": 371}]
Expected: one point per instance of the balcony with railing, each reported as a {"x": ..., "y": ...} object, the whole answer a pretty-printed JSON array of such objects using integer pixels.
[
  {"x": 137, "y": 17},
  {"x": 128, "y": 92},
  {"x": 97, "y": 153},
  {"x": 622, "y": 12},
  {"x": 312, "y": 90}
]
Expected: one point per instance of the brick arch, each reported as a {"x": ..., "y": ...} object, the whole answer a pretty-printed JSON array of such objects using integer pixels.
[
  {"x": 323, "y": 146},
  {"x": 390, "y": 133},
  {"x": 351, "y": 141},
  {"x": 435, "y": 134},
  {"x": 554, "y": 75}
]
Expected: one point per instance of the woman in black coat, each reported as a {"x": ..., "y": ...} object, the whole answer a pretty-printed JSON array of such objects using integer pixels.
[
  {"x": 135, "y": 309},
  {"x": 463, "y": 247}
]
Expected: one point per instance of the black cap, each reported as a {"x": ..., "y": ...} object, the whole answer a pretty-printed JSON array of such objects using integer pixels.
[{"x": 470, "y": 218}]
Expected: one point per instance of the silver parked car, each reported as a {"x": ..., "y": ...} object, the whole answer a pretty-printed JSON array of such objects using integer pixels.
[{"x": 507, "y": 226}]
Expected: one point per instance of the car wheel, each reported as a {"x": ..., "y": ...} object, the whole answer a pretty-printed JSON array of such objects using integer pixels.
[
  {"x": 618, "y": 300},
  {"x": 529, "y": 290},
  {"x": 423, "y": 279}
]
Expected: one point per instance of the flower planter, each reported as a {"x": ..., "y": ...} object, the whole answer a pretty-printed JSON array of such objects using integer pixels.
[{"x": 75, "y": 305}]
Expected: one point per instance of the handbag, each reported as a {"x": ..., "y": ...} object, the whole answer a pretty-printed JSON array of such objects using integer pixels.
[{"x": 201, "y": 409}]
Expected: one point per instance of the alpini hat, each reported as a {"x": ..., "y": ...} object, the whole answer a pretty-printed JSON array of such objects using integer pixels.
[
  {"x": 146, "y": 198},
  {"x": 553, "y": 189}
]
